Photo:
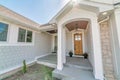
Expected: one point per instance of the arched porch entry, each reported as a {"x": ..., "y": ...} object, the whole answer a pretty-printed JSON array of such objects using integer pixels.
[
  {"x": 87, "y": 40},
  {"x": 77, "y": 29}
]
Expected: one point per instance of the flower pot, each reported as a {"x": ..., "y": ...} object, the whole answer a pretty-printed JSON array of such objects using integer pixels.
[{"x": 70, "y": 53}]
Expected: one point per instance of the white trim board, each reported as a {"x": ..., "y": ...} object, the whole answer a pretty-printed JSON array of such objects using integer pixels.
[
  {"x": 42, "y": 56},
  {"x": 10, "y": 71},
  {"x": 83, "y": 40}
]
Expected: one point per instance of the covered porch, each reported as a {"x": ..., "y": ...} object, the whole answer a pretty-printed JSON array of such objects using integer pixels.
[
  {"x": 75, "y": 67},
  {"x": 76, "y": 28},
  {"x": 80, "y": 35},
  {"x": 78, "y": 62}
]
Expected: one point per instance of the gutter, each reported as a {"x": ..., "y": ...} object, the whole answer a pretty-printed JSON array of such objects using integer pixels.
[
  {"x": 117, "y": 5},
  {"x": 9, "y": 19},
  {"x": 48, "y": 24},
  {"x": 104, "y": 20}
]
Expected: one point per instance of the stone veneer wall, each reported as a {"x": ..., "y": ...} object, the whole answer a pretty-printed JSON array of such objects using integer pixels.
[{"x": 106, "y": 51}]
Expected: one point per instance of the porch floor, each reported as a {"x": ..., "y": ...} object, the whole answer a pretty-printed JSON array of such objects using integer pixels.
[
  {"x": 78, "y": 62},
  {"x": 71, "y": 73},
  {"x": 49, "y": 60},
  {"x": 78, "y": 67}
]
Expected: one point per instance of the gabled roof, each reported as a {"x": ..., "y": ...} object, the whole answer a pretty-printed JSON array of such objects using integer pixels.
[
  {"x": 68, "y": 6},
  {"x": 16, "y": 18},
  {"x": 95, "y": 5}
]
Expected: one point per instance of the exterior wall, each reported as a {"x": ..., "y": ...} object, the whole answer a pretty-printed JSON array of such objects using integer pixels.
[
  {"x": 69, "y": 42},
  {"x": 107, "y": 51},
  {"x": 13, "y": 53},
  {"x": 54, "y": 43}
]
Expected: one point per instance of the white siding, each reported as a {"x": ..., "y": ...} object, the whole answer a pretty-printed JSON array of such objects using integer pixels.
[
  {"x": 69, "y": 42},
  {"x": 13, "y": 53}
]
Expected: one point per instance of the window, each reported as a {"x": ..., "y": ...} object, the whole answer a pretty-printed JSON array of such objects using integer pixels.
[
  {"x": 24, "y": 35},
  {"x": 21, "y": 35},
  {"x": 29, "y": 36},
  {"x": 3, "y": 31}
]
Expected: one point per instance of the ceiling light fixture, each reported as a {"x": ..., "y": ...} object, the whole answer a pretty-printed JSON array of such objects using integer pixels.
[{"x": 76, "y": 28}]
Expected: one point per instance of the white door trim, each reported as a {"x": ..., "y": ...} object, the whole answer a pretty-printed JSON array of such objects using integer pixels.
[{"x": 83, "y": 42}]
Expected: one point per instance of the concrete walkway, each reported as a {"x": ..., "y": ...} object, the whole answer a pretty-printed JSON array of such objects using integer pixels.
[
  {"x": 49, "y": 60},
  {"x": 71, "y": 73}
]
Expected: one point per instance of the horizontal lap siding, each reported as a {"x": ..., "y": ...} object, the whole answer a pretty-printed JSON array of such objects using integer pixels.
[{"x": 12, "y": 56}]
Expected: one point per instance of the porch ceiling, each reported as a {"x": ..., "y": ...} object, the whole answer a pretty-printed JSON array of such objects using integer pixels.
[
  {"x": 52, "y": 31},
  {"x": 77, "y": 25}
]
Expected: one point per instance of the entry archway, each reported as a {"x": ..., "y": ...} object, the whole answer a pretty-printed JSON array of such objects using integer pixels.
[{"x": 95, "y": 47}]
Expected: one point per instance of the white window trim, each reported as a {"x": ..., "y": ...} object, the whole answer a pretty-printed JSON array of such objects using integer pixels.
[
  {"x": 16, "y": 43},
  {"x": 26, "y": 43},
  {"x": 21, "y": 43},
  {"x": 8, "y": 33}
]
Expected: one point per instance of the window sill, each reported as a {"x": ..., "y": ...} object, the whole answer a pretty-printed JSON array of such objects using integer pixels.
[{"x": 17, "y": 44}]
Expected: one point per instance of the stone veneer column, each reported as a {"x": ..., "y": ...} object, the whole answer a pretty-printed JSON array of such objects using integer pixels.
[{"x": 106, "y": 51}]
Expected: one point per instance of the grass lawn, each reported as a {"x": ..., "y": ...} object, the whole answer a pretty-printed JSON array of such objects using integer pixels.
[{"x": 34, "y": 72}]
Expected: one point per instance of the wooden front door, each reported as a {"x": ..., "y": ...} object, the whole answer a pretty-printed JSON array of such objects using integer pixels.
[{"x": 78, "y": 49}]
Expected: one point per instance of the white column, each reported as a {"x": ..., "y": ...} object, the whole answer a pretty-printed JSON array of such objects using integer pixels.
[
  {"x": 59, "y": 52},
  {"x": 97, "y": 53},
  {"x": 115, "y": 39},
  {"x": 64, "y": 45},
  {"x": 117, "y": 17}
]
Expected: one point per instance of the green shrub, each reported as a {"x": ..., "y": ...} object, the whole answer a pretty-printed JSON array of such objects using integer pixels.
[
  {"x": 47, "y": 72},
  {"x": 24, "y": 69}
]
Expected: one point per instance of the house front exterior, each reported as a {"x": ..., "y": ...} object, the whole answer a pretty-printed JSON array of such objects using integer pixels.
[{"x": 81, "y": 27}]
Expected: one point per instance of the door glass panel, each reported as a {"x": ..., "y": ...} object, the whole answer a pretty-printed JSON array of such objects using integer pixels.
[{"x": 77, "y": 37}]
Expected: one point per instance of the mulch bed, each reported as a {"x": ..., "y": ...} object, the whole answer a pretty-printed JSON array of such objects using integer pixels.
[{"x": 34, "y": 72}]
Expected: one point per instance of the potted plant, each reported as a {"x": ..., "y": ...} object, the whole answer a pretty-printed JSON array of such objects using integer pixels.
[
  {"x": 70, "y": 53},
  {"x": 85, "y": 56}
]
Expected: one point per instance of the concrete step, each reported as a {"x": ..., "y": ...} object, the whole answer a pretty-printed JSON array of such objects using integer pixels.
[
  {"x": 57, "y": 74},
  {"x": 68, "y": 78},
  {"x": 79, "y": 67},
  {"x": 72, "y": 73}
]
